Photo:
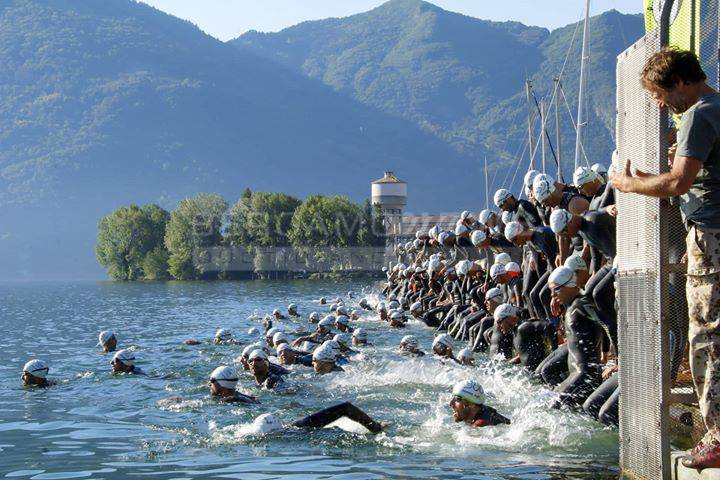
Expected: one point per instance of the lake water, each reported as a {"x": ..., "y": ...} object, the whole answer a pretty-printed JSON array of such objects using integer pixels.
[{"x": 96, "y": 425}]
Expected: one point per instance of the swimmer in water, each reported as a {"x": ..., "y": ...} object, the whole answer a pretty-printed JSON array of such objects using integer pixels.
[
  {"x": 260, "y": 369},
  {"x": 277, "y": 315},
  {"x": 409, "y": 345},
  {"x": 223, "y": 381},
  {"x": 364, "y": 304},
  {"x": 355, "y": 315},
  {"x": 322, "y": 301},
  {"x": 124, "y": 362},
  {"x": 324, "y": 360},
  {"x": 107, "y": 340},
  {"x": 314, "y": 317},
  {"x": 359, "y": 337},
  {"x": 468, "y": 405},
  {"x": 342, "y": 323},
  {"x": 442, "y": 346},
  {"x": 269, "y": 423},
  {"x": 289, "y": 356},
  {"x": 344, "y": 341},
  {"x": 224, "y": 337},
  {"x": 35, "y": 374},
  {"x": 465, "y": 357},
  {"x": 397, "y": 320},
  {"x": 292, "y": 310},
  {"x": 324, "y": 329}
]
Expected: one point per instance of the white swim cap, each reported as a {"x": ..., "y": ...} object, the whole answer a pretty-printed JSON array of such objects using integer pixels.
[
  {"x": 559, "y": 220},
  {"x": 503, "y": 258},
  {"x": 485, "y": 216},
  {"x": 223, "y": 334},
  {"x": 512, "y": 230},
  {"x": 324, "y": 354},
  {"x": 279, "y": 337},
  {"x": 267, "y": 423},
  {"x": 562, "y": 277},
  {"x": 342, "y": 338},
  {"x": 497, "y": 270},
  {"x": 356, "y": 313},
  {"x": 417, "y": 244},
  {"x": 396, "y": 316},
  {"x": 494, "y": 294},
  {"x": 341, "y": 310},
  {"x": 225, "y": 376},
  {"x": 543, "y": 187},
  {"x": 36, "y": 368},
  {"x": 529, "y": 177},
  {"x": 477, "y": 237},
  {"x": 104, "y": 337},
  {"x": 442, "y": 238},
  {"x": 360, "y": 333},
  {"x": 342, "y": 320},
  {"x": 416, "y": 307},
  {"x": 276, "y": 312},
  {"x": 434, "y": 231},
  {"x": 253, "y": 331},
  {"x": 461, "y": 228},
  {"x": 599, "y": 168},
  {"x": 246, "y": 351},
  {"x": 462, "y": 267},
  {"x": 575, "y": 263},
  {"x": 410, "y": 340},
  {"x": 327, "y": 322},
  {"x": 126, "y": 357},
  {"x": 512, "y": 267},
  {"x": 465, "y": 354},
  {"x": 381, "y": 307},
  {"x": 314, "y": 316},
  {"x": 323, "y": 300},
  {"x": 584, "y": 175},
  {"x": 504, "y": 311},
  {"x": 257, "y": 353},
  {"x": 469, "y": 390},
  {"x": 443, "y": 339},
  {"x": 464, "y": 215},
  {"x": 419, "y": 269},
  {"x": 282, "y": 347},
  {"x": 501, "y": 196},
  {"x": 271, "y": 332},
  {"x": 292, "y": 307}
]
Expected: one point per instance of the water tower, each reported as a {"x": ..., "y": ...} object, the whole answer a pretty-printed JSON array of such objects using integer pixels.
[{"x": 390, "y": 193}]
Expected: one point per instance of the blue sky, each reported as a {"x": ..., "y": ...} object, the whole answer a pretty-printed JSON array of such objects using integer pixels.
[{"x": 226, "y": 19}]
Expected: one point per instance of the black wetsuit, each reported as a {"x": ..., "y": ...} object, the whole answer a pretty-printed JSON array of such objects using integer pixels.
[
  {"x": 328, "y": 415},
  {"x": 604, "y": 402},
  {"x": 477, "y": 336},
  {"x": 527, "y": 214},
  {"x": 278, "y": 370},
  {"x": 499, "y": 343},
  {"x": 533, "y": 341},
  {"x": 488, "y": 416},
  {"x": 554, "y": 369},
  {"x": 584, "y": 340},
  {"x": 544, "y": 243}
]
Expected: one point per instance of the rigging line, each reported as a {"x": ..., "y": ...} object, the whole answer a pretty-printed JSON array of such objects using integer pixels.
[
  {"x": 512, "y": 183},
  {"x": 572, "y": 119},
  {"x": 544, "y": 121}
]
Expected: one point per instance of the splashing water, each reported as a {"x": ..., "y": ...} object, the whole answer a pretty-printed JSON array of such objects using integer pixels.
[{"x": 96, "y": 425}]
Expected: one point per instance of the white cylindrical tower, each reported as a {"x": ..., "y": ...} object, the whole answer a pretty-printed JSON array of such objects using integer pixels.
[{"x": 390, "y": 193}]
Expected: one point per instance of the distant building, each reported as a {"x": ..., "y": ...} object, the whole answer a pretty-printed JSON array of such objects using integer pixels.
[{"x": 390, "y": 194}]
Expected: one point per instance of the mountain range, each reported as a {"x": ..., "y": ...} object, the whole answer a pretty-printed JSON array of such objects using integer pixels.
[{"x": 109, "y": 102}]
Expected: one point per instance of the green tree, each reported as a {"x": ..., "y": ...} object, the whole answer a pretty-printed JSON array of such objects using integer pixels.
[
  {"x": 194, "y": 227},
  {"x": 325, "y": 221},
  {"x": 126, "y": 236},
  {"x": 155, "y": 264},
  {"x": 237, "y": 234}
]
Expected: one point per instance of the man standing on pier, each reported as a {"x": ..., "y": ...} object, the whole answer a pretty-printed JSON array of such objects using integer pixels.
[{"x": 675, "y": 79}]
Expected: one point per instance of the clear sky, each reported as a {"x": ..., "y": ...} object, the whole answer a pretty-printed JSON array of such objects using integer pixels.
[{"x": 226, "y": 19}]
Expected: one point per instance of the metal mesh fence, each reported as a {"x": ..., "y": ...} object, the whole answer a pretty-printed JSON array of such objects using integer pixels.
[{"x": 657, "y": 394}]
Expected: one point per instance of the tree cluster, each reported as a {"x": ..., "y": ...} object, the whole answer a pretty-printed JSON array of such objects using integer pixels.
[{"x": 150, "y": 243}]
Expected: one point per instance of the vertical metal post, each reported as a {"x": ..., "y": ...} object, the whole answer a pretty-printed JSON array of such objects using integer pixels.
[
  {"x": 581, "y": 91},
  {"x": 528, "y": 91},
  {"x": 663, "y": 277},
  {"x": 542, "y": 134},
  {"x": 557, "y": 131},
  {"x": 487, "y": 187}
]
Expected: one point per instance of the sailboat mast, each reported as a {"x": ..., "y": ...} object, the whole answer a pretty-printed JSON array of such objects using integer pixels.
[
  {"x": 581, "y": 91},
  {"x": 542, "y": 134},
  {"x": 528, "y": 91},
  {"x": 557, "y": 130},
  {"x": 487, "y": 187}
]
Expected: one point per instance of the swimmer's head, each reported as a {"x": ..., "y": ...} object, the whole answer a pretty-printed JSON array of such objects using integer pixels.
[
  {"x": 506, "y": 317},
  {"x": 493, "y": 298},
  {"x": 563, "y": 285},
  {"x": 512, "y": 233},
  {"x": 501, "y": 197},
  {"x": 409, "y": 343},
  {"x": 442, "y": 345},
  {"x": 478, "y": 238},
  {"x": 35, "y": 373},
  {"x": 123, "y": 361},
  {"x": 223, "y": 379},
  {"x": 466, "y": 357},
  {"x": 223, "y": 335},
  {"x": 278, "y": 338},
  {"x": 326, "y": 324},
  {"x": 323, "y": 359},
  {"x": 258, "y": 361},
  {"x": 286, "y": 354},
  {"x": 253, "y": 331},
  {"x": 416, "y": 309},
  {"x": 107, "y": 340},
  {"x": 359, "y": 336},
  {"x": 503, "y": 258},
  {"x": 543, "y": 188},
  {"x": 267, "y": 423},
  {"x": 355, "y": 314},
  {"x": 314, "y": 317},
  {"x": 467, "y": 397},
  {"x": 343, "y": 339},
  {"x": 292, "y": 309}
]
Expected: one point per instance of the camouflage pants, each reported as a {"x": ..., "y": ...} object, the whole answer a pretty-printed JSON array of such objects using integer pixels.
[{"x": 703, "y": 296}]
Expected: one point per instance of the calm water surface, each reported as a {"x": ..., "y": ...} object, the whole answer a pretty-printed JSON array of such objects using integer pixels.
[{"x": 95, "y": 425}]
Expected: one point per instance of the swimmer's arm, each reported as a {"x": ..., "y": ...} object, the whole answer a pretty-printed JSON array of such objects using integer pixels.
[{"x": 515, "y": 360}]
